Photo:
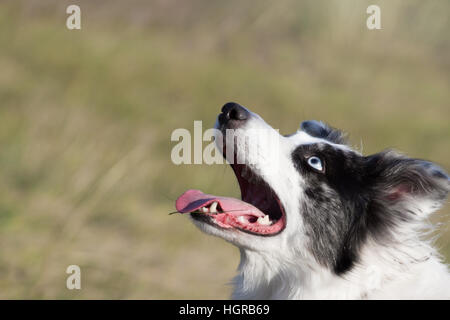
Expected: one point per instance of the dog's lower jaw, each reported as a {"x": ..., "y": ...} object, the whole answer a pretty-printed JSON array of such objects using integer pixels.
[{"x": 381, "y": 276}]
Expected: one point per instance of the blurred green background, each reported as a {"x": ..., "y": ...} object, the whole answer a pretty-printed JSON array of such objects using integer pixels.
[{"x": 86, "y": 118}]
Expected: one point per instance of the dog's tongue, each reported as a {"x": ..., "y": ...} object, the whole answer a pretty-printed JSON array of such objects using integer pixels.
[{"x": 192, "y": 200}]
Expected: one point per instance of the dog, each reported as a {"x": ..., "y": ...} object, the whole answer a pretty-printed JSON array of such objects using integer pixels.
[{"x": 319, "y": 220}]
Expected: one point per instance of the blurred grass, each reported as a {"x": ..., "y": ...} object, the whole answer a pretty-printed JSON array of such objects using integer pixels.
[{"x": 86, "y": 118}]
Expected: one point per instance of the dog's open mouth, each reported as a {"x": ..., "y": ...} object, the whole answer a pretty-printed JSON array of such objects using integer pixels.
[{"x": 259, "y": 212}]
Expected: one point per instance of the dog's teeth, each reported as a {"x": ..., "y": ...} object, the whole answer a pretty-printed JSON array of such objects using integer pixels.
[
  {"x": 204, "y": 209},
  {"x": 213, "y": 208},
  {"x": 241, "y": 219},
  {"x": 264, "y": 220}
]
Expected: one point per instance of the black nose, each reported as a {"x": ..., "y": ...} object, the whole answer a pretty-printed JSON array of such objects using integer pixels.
[{"x": 234, "y": 111}]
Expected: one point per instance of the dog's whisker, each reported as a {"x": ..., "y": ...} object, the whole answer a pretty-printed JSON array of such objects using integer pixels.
[{"x": 170, "y": 213}]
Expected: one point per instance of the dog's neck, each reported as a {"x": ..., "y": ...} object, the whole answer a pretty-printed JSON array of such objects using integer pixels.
[{"x": 382, "y": 272}]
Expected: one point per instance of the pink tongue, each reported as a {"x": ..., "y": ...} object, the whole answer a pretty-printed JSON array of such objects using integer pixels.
[{"x": 192, "y": 200}]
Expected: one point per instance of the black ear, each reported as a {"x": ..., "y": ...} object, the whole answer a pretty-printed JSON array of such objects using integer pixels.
[
  {"x": 412, "y": 183},
  {"x": 319, "y": 129}
]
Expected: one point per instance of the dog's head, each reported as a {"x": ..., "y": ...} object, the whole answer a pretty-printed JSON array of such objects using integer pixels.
[{"x": 309, "y": 194}]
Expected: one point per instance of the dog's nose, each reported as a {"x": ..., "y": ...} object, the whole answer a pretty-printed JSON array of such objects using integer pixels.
[{"x": 233, "y": 111}]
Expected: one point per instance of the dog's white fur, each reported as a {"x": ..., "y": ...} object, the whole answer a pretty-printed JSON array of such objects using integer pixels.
[
  {"x": 281, "y": 267},
  {"x": 411, "y": 270}
]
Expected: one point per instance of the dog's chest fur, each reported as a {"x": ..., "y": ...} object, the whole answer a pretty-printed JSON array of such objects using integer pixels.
[{"x": 265, "y": 277}]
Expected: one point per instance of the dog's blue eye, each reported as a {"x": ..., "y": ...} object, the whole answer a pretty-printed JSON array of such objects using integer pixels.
[{"x": 316, "y": 163}]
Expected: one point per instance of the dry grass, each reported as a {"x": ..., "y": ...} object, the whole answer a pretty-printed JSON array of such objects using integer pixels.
[{"x": 86, "y": 118}]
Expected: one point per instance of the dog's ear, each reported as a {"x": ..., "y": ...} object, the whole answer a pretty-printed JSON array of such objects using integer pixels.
[
  {"x": 319, "y": 129},
  {"x": 412, "y": 184}
]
